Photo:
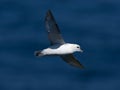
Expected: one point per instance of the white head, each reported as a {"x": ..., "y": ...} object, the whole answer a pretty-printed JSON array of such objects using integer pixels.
[{"x": 76, "y": 48}]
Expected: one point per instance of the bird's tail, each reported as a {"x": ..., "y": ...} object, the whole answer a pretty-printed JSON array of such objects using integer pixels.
[{"x": 38, "y": 54}]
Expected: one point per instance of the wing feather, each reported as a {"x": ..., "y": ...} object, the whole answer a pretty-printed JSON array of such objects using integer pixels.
[
  {"x": 70, "y": 59},
  {"x": 52, "y": 28}
]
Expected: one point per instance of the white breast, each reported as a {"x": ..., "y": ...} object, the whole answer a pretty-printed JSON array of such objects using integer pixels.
[{"x": 63, "y": 49}]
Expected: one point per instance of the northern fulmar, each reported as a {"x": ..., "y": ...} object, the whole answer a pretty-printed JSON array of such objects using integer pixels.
[{"x": 58, "y": 46}]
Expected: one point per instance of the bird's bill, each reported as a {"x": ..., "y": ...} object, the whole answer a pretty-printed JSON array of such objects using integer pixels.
[{"x": 81, "y": 50}]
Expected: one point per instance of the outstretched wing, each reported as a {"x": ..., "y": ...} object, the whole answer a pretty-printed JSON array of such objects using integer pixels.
[
  {"x": 54, "y": 34},
  {"x": 70, "y": 59}
]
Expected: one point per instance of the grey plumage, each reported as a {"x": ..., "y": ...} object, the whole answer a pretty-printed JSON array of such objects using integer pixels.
[
  {"x": 52, "y": 28},
  {"x": 55, "y": 37}
]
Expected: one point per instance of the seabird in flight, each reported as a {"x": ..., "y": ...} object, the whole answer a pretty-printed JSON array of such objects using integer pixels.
[{"x": 58, "y": 46}]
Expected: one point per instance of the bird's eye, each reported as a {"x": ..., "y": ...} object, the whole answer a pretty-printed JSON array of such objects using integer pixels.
[{"x": 77, "y": 47}]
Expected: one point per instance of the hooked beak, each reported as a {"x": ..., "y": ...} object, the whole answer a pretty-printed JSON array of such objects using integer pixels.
[{"x": 81, "y": 50}]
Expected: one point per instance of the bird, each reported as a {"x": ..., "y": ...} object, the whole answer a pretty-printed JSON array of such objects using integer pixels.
[{"x": 58, "y": 47}]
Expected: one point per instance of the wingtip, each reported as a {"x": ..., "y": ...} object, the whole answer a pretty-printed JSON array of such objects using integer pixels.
[
  {"x": 82, "y": 67},
  {"x": 49, "y": 15},
  {"x": 49, "y": 12}
]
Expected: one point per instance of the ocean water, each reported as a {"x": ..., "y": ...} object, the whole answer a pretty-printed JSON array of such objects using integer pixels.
[{"x": 94, "y": 24}]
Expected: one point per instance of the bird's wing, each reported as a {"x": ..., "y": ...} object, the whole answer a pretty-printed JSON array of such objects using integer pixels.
[
  {"x": 70, "y": 59},
  {"x": 54, "y": 34}
]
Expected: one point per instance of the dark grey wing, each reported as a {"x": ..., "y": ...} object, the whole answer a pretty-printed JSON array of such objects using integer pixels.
[
  {"x": 70, "y": 59},
  {"x": 54, "y": 34}
]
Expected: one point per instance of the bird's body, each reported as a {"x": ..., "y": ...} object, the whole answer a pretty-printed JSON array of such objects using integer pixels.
[
  {"x": 58, "y": 46},
  {"x": 63, "y": 49}
]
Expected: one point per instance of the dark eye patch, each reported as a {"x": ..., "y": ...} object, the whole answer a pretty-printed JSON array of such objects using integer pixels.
[{"x": 78, "y": 47}]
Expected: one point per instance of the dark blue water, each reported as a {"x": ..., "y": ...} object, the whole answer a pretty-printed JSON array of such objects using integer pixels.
[{"x": 94, "y": 24}]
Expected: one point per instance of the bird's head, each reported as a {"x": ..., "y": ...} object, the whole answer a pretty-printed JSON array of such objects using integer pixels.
[{"x": 76, "y": 48}]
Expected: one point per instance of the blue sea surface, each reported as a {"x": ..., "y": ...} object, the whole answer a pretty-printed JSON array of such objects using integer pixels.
[{"x": 94, "y": 24}]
